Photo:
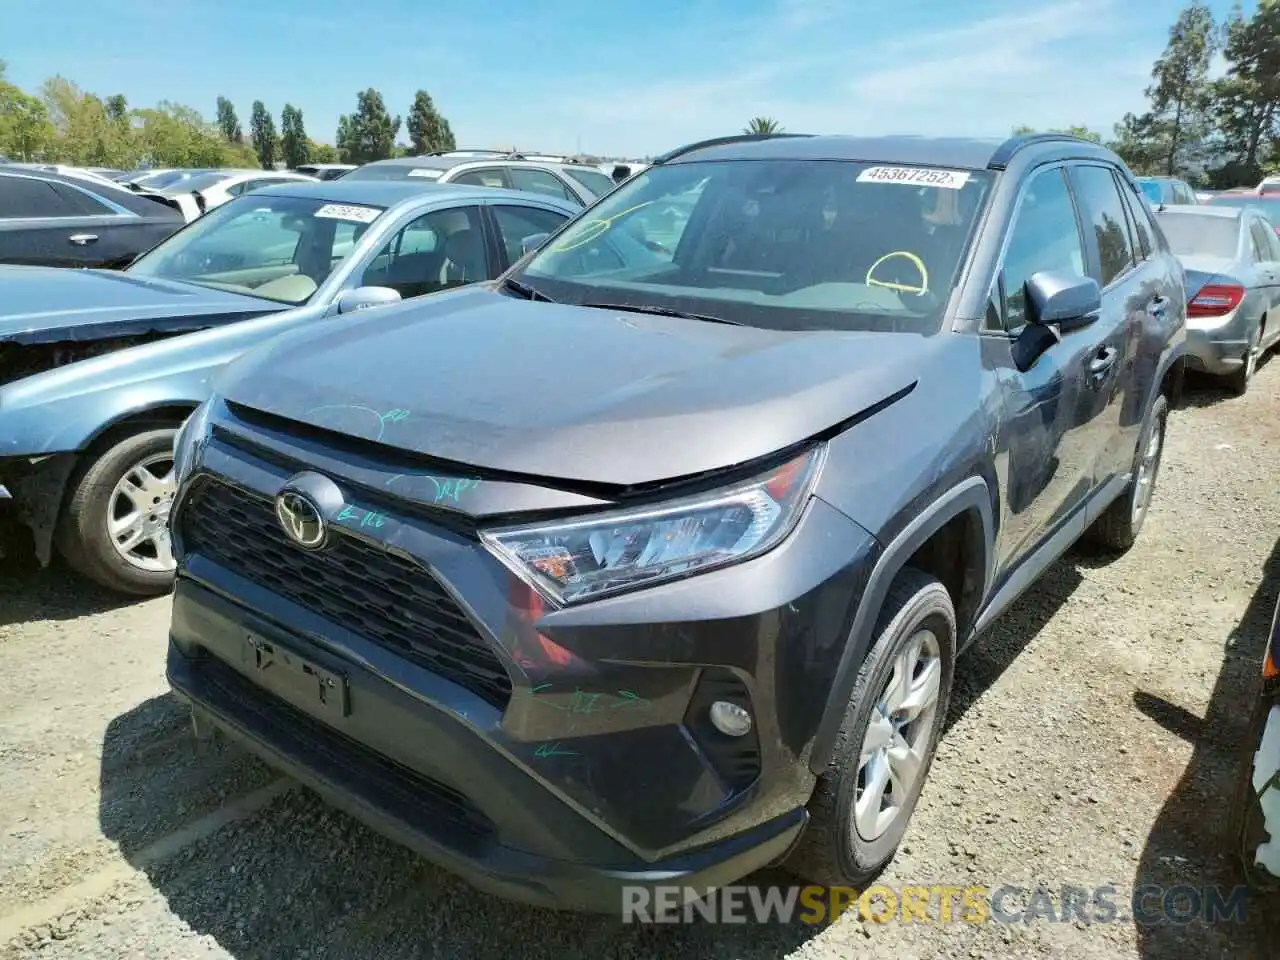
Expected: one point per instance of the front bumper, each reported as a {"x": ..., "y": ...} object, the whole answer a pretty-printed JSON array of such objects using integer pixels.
[
  {"x": 1218, "y": 350},
  {"x": 592, "y": 765}
]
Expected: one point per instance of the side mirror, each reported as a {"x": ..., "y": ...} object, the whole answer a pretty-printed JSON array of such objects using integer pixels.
[
  {"x": 1062, "y": 299},
  {"x": 533, "y": 242},
  {"x": 363, "y": 297}
]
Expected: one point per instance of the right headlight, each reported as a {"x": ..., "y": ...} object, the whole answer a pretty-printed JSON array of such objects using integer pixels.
[{"x": 608, "y": 553}]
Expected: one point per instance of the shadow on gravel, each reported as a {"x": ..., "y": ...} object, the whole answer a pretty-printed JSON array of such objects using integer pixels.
[
  {"x": 300, "y": 879},
  {"x": 30, "y": 595},
  {"x": 1191, "y": 843},
  {"x": 1201, "y": 390}
]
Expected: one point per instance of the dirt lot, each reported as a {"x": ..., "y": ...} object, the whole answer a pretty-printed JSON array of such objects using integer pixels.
[{"x": 1093, "y": 741}]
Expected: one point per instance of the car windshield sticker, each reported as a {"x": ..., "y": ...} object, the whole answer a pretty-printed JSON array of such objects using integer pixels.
[
  {"x": 915, "y": 177},
  {"x": 346, "y": 211},
  {"x": 424, "y": 172}
]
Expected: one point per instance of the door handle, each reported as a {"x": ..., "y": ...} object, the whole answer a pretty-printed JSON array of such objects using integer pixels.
[
  {"x": 1102, "y": 362},
  {"x": 83, "y": 239}
]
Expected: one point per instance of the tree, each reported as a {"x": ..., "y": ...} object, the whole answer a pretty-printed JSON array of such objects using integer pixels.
[
  {"x": 1181, "y": 95},
  {"x": 321, "y": 152},
  {"x": 293, "y": 137},
  {"x": 1137, "y": 144},
  {"x": 87, "y": 135},
  {"x": 1245, "y": 100},
  {"x": 263, "y": 134},
  {"x": 228, "y": 122},
  {"x": 370, "y": 133},
  {"x": 763, "y": 125},
  {"x": 1075, "y": 131},
  {"x": 428, "y": 130},
  {"x": 118, "y": 109}
]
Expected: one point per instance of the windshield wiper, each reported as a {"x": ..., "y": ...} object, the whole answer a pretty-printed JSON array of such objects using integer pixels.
[
  {"x": 664, "y": 312},
  {"x": 526, "y": 291}
]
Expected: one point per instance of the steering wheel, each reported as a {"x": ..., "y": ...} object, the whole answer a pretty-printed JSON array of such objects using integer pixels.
[{"x": 915, "y": 261}]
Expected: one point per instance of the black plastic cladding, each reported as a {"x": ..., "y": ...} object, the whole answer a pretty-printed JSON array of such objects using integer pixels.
[{"x": 372, "y": 592}]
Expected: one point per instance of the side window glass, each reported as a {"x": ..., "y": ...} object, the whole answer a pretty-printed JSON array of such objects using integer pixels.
[
  {"x": 1273, "y": 241},
  {"x": 1261, "y": 243},
  {"x": 438, "y": 250},
  {"x": 1104, "y": 212},
  {"x": 516, "y": 223},
  {"x": 1139, "y": 220},
  {"x": 24, "y": 197},
  {"x": 236, "y": 189},
  {"x": 490, "y": 177},
  {"x": 1045, "y": 236},
  {"x": 538, "y": 181},
  {"x": 80, "y": 202}
]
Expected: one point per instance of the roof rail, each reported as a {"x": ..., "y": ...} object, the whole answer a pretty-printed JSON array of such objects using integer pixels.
[
  {"x": 721, "y": 141},
  {"x": 1004, "y": 153}
]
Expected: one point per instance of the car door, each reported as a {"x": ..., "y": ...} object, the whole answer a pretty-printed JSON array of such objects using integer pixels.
[
  {"x": 1132, "y": 285},
  {"x": 433, "y": 251},
  {"x": 1262, "y": 240},
  {"x": 1049, "y": 468},
  {"x": 43, "y": 222},
  {"x": 1267, "y": 236},
  {"x": 512, "y": 223}
]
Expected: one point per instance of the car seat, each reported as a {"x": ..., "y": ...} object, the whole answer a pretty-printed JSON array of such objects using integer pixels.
[{"x": 464, "y": 258}]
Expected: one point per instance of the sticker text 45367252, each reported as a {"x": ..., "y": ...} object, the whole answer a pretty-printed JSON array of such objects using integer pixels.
[{"x": 915, "y": 177}]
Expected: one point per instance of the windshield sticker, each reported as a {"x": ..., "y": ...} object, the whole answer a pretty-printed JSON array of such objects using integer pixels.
[
  {"x": 345, "y": 211},
  {"x": 915, "y": 177},
  {"x": 429, "y": 174}
]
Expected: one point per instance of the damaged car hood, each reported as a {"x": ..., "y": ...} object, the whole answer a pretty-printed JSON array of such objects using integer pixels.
[
  {"x": 571, "y": 393},
  {"x": 50, "y": 305}
]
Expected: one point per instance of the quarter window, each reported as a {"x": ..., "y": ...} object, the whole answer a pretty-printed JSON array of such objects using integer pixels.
[
  {"x": 29, "y": 197},
  {"x": 490, "y": 177},
  {"x": 1139, "y": 220},
  {"x": 1045, "y": 236},
  {"x": 1104, "y": 212},
  {"x": 1261, "y": 242}
]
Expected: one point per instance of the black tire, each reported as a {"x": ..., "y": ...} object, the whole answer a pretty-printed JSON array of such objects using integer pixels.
[
  {"x": 1239, "y": 381},
  {"x": 831, "y": 850},
  {"x": 82, "y": 537},
  {"x": 1118, "y": 528}
]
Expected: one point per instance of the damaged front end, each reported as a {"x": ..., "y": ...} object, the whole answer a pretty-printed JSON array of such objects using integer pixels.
[
  {"x": 31, "y": 494},
  {"x": 20, "y": 360}
]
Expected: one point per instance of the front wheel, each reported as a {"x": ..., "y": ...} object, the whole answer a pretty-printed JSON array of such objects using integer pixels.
[
  {"x": 115, "y": 526},
  {"x": 864, "y": 799}
]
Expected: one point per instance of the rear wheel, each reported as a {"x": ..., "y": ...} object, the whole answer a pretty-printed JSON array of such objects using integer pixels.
[
  {"x": 864, "y": 799},
  {"x": 1118, "y": 528},
  {"x": 114, "y": 528},
  {"x": 1240, "y": 380}
]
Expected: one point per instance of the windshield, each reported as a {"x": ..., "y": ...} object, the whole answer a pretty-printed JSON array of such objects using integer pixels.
[
  {"x": 278, "y": 248},
  {"x": 1193, "y": 234},
  {"x": 786, "y": 244},
  {"x": 157, "y": 181},
  {"x": 203, "y": 181},
  {"x": 1153, "y": 189},
  {"x": 593, "y": 180},
  {"x": 393, "y": 171}
]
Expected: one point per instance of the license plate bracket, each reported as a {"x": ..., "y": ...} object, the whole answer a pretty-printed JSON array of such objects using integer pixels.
[{"x": 285, "y": 672}]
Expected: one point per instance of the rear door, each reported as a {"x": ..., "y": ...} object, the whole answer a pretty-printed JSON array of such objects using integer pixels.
[
  {"x": 1263, "y": 244},
  {"x": 1132, "y": 283}
]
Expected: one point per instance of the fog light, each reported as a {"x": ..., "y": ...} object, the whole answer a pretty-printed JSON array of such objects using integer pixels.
[{"x": 730, "y": 719}]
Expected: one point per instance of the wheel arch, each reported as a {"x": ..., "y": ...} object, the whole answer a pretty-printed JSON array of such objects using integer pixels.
[{"x": 953, "y": 538}]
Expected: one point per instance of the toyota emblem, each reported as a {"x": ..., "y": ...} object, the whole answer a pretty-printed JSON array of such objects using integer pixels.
[{"x": 300, "y": 519}]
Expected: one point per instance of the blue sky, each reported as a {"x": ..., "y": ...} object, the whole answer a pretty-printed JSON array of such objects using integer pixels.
[{"x": 630, "y": 78}]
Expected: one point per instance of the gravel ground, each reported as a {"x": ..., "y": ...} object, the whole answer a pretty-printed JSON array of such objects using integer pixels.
[{"x": 1093, "y": 741}]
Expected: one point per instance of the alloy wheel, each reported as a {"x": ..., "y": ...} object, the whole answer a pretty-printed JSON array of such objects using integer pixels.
[{"x": 138, "y": 514}]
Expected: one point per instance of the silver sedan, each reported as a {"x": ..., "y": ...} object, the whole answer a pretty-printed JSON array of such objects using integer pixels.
[{"x": 1232, "y": 260}]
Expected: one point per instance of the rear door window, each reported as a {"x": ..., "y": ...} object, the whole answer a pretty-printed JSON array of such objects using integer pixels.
[{"x": 22, "y": 197}]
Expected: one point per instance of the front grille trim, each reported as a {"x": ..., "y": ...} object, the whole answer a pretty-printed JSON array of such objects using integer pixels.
[{"x": 375, "y": 593}]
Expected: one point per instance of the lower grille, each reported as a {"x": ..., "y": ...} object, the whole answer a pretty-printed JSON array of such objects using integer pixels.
[{"x": 383, "y": 597}]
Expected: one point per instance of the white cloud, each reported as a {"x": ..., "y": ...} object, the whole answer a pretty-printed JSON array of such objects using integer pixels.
[{"x": 815, "y": 69}]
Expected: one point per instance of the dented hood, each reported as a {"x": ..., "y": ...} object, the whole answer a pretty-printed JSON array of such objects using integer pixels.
[
  {"x": 52, "y": 304},
  {"x": 567, "y": 392}
]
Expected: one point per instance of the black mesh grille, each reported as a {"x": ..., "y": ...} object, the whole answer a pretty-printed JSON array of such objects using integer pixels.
[{"x": 380, "y": 596}]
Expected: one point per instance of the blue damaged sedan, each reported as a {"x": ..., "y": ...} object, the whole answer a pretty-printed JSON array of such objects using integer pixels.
[{"x": 98, "y": 368}]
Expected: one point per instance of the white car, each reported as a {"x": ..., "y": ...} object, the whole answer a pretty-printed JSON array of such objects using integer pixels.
[{"x": 216, "y": 187}]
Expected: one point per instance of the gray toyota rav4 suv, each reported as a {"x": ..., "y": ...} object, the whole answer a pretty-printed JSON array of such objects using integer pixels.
[{"x": 649, "y": 562}]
